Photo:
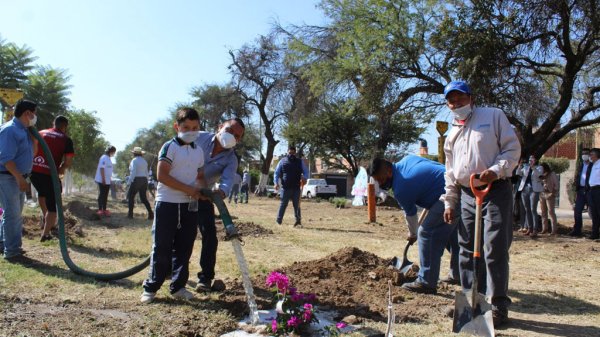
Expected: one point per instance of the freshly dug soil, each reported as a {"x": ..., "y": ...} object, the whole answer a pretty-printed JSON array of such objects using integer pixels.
[
  {"x": 32, "y": 226},
  {"x": 246, "y": 230},
  {"x": 351, "y": 282},
  {"x": 81, "y": 211}
]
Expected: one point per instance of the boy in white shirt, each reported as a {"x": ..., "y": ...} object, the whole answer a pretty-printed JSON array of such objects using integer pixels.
[{"x": 179, "y": 175}]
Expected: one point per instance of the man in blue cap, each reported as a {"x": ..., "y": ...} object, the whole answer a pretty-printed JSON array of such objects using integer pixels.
[{"x": 482, "y": 141}]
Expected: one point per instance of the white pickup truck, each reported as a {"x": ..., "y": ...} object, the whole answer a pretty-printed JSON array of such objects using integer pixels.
[{"x": 318, "y": 188}]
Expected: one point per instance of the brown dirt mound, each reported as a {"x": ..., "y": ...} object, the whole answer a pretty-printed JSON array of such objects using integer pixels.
[
  {"x": 81, "y": 211},
  {"x": 355, "y": 282},
  {"x": 246, "y": 230},
  {"x": 351, "y": 282},
  {"x": 32, "y": 226}
]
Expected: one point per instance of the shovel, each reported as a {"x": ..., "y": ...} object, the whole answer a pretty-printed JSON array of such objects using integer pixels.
[
  {"x": 472, "y": 313},
  {"x": 406, "y": 263}
]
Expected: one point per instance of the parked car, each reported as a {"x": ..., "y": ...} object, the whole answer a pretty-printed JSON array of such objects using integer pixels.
[{"x": 318, "y": 188}]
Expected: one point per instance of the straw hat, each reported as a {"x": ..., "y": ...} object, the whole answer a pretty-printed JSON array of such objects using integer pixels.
[{"x": 138, "y": 150}]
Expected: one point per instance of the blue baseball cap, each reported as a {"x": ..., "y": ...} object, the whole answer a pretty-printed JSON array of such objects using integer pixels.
[{"x": 458, "y": 86}]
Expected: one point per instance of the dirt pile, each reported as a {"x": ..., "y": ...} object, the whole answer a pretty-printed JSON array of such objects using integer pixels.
[
  {"x": 81, "y": 211},
  {"x": 350, "y": 282},
  {"x": 32, "y": 226},
  {"x": 355, "y": 282},
  {"x": 246, "y": 230}
]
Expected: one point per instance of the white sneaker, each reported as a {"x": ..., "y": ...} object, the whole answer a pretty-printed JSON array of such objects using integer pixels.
[
  {"x": 183, "y": 294},
  {"x": 147, "y": 297}
]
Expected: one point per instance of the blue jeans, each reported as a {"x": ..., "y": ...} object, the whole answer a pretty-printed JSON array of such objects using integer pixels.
[
  {"x": 435, "y": 235},
  {"x": 287, "y": 195},
  {"x": 580, "y": 202},
  {"x": 11, "y": 227}
]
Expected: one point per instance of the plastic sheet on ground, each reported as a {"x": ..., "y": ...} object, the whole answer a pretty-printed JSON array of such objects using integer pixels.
[{"x": 326, "y": 318}]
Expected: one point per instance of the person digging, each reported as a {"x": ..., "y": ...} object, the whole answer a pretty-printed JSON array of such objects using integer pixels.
[{"x": 417, "y": 181}]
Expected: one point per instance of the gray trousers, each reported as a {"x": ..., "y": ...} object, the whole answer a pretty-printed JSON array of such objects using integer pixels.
[{"x": 496, "y": 240}]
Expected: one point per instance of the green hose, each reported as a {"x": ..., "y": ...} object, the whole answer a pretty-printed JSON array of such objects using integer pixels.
[
  {"x": 61, "y": 225},
  {"x": 215, "y": 197}
]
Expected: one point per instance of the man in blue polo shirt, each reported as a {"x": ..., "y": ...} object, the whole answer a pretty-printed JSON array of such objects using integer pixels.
[
  {"x": 16, "y": 161},
  {"x": 220, "y": 165},
  {"x": 417, "y": 181}
]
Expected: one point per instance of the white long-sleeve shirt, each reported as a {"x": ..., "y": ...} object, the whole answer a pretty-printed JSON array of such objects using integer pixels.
[
  {"x": 486, "y": 141},
  {"x": 595, "y": 174}
]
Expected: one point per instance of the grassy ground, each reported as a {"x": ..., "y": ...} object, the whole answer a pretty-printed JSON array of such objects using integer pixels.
[{"x": 554, "y": 281}]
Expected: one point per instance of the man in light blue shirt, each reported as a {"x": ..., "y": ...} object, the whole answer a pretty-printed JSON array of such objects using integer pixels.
[
  {"x": 16, "y": 162},
  {"x": 418, "y": 181},
  {"x": 138, "y": 179},
  {"x": 220, "y": 166}
]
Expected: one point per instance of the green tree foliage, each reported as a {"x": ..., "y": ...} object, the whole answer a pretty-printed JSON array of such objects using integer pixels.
[
  {"x": 15, "y": 63},
  {"x": 150, "y": 140},
  {"x": 538, "y": 60},
  {"x": 84, "y": 130},
  {"x": 380, "y": 53},
  {"x": 557, "y": 165},
  {"x": 338, "y": 133},
  {"x": 217, "y": 104},
  {"x": 48, "y": 87}
]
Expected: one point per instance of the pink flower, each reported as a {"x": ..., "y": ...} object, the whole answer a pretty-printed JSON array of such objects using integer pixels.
[
  {"x": 273, "y": 325},
  {"x": 278, "y": 279},
  {"x": 341, "y": 325},
  {"x": 306, "y": 315},
  {"x": 293, "y": 322},
  {"x": 297, "y": 297},
  {"x": 308, "y": 306}
]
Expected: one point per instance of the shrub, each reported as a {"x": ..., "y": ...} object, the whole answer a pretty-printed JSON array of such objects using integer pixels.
[
  {"x": 558, "y": 165},
  {"x": 338, "y": 202}
]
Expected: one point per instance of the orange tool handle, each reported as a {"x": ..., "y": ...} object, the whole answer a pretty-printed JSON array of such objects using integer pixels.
[{"x": 479, "y": 194}]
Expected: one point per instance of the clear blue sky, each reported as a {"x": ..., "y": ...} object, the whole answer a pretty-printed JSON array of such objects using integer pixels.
[{"x": 131, "y": 61}]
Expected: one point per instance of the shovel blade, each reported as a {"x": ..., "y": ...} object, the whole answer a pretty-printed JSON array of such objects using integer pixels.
[{"x": 473, "y": 318}]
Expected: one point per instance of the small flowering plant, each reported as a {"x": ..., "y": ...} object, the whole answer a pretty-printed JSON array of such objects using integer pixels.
[
  {"x": 335, "y": 330},
  {"x": 295, "y": 310}
]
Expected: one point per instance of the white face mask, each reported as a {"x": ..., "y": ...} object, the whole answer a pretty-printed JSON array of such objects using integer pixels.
[
  {"x": 462, "y": 113},
  {"x": 33, "y": 121},
  {"x": 585, "y": 157},
  {"x": 226, "y": 139},
  {"x": 188, "y": 137}
]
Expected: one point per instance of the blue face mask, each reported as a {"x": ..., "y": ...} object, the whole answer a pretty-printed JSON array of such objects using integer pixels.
[{"x": 387, "y": 184}]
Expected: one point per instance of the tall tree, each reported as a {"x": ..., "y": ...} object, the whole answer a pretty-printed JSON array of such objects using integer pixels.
[
  {"x": 337, "y": 133},
  {"x": 217, "y": 104},
  {"x": 49, "y": 88},
  {"x": 260, "y": 75},
  {"x": 15, "y": 63},
  {"x": 538, "y": 60},
  {"x": 84, "y": 130},
  {"x": 380, "y": 53}
]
